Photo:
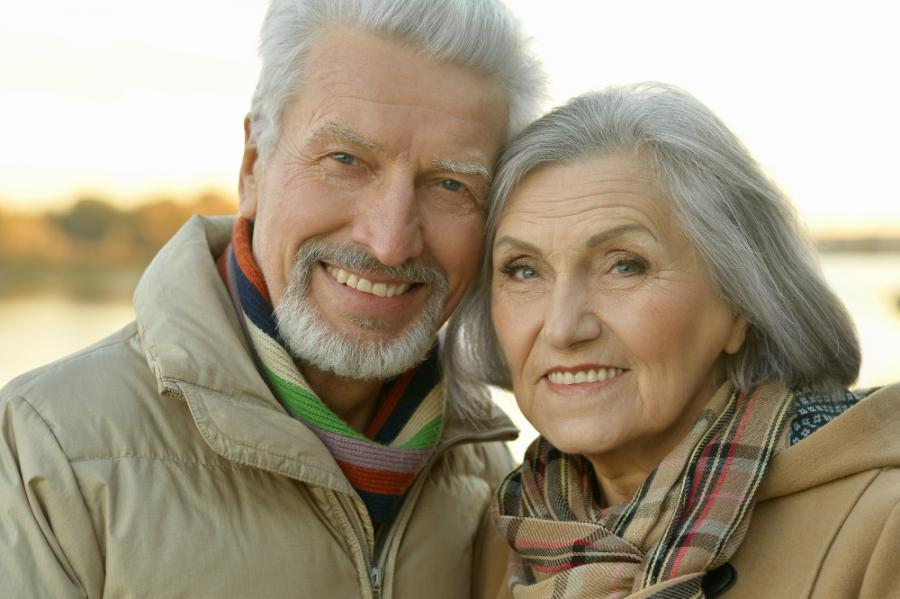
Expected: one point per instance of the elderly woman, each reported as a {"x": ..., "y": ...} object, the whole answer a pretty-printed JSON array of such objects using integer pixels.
[{"x": 664, "y": 326}]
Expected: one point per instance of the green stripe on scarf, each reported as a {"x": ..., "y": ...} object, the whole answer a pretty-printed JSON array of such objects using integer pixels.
[
  {"x": 301, "y": 402},
  {"x": 380, "y": 473}
]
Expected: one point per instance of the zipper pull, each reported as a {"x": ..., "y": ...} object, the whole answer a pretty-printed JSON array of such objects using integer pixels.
[{"x": 375, "y": 577}]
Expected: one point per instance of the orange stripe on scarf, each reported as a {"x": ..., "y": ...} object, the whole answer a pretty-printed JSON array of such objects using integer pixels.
[
  {"x": 243, "y": 253},
  {"x": 377, "y": 481}
]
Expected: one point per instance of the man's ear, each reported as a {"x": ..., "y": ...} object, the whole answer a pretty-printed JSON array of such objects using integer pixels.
[
  {"x": 248, "y": 188},
  {"x": 738, "y": 333}
]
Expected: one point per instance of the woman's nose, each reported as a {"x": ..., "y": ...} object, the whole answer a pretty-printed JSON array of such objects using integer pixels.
[{"x": 570, "y": 319}]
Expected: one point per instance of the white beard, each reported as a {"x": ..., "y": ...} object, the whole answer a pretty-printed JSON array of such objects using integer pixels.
[{"x": 312, "y": 340}]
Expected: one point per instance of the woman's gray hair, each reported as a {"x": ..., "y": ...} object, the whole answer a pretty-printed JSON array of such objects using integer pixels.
[
  {"x": 742, "y": 225},
  {"x": 480, "y": 34}
]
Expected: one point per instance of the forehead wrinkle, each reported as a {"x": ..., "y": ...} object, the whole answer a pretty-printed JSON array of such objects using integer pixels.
[
  {"x": 333, "y": 129},
  {"x": 543, "y": 204},
  {"x": 463, "y": 168}
]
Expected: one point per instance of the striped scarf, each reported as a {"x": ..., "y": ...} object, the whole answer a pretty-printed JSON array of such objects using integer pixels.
[
  {"x": 688, "y": 517},
  {"x": 380, "y": 464}
]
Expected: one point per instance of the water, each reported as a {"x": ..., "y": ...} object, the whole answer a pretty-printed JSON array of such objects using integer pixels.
[{"x": 37, "y": 329}]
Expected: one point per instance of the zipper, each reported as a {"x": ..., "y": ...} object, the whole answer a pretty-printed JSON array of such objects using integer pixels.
[
  {"x": 375, "y": 559},
  {"x": 373, "y": 573},
  {"x": 375, "y": 579},
  {"x": 385, "y": 537}
]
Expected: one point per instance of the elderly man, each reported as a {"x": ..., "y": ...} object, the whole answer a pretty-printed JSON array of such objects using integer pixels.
[{"x": 278, "y": 421}]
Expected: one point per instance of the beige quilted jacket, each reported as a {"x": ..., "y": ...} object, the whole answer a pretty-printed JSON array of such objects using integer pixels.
[{"x": 156, "y": 463}]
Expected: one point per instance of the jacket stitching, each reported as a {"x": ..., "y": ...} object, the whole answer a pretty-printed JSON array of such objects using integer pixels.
[
  {"x": 205, "y": 424},
  {"x": 49, "y": 368},
  {"x": 817, "y": 577},
  {"x": 75, "y": 478},
  {"x": 128, "y": 456}
]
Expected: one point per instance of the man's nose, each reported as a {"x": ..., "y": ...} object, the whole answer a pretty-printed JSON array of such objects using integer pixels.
[
  {"x": 388, "y": 223},
  {"x": 570, "y": 318}
]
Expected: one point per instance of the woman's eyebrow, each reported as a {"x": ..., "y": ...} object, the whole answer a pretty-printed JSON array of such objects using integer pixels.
[
  {"x": 604, "y": 236},
  {"x": 516, "y": 244}
]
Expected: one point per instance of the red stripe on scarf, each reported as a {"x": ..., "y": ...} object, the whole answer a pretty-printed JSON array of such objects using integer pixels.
[
  {"x": 726, "y": 469},
  {"x": 390, "y": 402},
  {"x": 382, "y": 482},
  {"x": 243, "y": 253}
]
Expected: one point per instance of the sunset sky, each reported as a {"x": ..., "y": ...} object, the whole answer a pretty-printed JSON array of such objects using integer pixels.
[{"x": 127, "y": 100}]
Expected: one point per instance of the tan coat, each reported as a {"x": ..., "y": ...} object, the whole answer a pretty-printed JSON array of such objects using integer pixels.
[
  {"x": 827, "y": 523},
  {"x": 157, "y": 464}
]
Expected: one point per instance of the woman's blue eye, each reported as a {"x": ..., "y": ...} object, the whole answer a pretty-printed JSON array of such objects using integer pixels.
[
  {"x": 451, "y": 185},
  {"x": 628, "y": 267},
  {"x": 344, "y": 158},
  {"x": 525, "y": 272}
]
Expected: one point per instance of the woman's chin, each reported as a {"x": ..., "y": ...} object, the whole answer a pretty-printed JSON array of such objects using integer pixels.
[{"x": 581, "y": 438}]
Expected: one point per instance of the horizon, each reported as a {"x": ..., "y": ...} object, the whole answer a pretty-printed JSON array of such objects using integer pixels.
[{"x": 122, "y": 102}]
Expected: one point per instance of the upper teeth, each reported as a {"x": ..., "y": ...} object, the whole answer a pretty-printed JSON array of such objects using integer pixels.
[
  {"x": 584, "y": 376},
  {"x": 365, "y": 285}
]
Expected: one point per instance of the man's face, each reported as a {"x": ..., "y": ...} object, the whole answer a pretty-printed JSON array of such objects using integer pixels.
[{"x": 369, "y": 209}]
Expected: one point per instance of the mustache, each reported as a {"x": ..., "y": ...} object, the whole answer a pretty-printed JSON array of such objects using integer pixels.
[{"x": 357, "y": 259}]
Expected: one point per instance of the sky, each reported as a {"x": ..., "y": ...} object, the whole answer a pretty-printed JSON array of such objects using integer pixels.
[{"x": 128, "y": 100}]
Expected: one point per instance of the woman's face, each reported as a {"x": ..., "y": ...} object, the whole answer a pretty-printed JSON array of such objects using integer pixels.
[{"x": 605, "y": 312}]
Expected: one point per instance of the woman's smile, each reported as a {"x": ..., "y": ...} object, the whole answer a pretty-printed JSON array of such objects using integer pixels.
[
  {"x": 611, "y": 327},
  {"x": 583, "y": 379}
]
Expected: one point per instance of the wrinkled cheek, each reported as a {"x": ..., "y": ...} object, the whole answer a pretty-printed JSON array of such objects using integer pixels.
[
  {"x": 657, "y": 335},
  {"x": 275, "y": 267},
  {"x": 510, "y": 339}
]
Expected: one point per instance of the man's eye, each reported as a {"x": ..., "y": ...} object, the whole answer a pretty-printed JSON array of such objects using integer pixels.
[
  {"x": 451, "y": 185},
  {"x": 344, "y": 158}
]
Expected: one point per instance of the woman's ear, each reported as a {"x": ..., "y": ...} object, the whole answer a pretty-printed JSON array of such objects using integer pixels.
[
  {"x": 247, "y": 182},
  {"x": 738, "y": 333}
]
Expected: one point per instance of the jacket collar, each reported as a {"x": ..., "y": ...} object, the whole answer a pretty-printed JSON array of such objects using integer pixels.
[
  {"x": 865, "y": 437},
  {"x": 197, "y": 351},
  {"x": 188, "y": 327}
]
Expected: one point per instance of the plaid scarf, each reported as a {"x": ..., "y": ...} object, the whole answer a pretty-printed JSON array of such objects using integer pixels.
[
  {"x": 688, "y": 517},
  {"x": 380, "y": 464}
]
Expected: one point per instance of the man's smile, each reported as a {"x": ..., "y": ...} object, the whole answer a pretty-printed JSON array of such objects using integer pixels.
[{"x": 365, "y": 285}]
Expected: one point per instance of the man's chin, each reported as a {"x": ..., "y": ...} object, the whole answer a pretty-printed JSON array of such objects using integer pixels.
[
  {"x": 371, "y": 330},
  {"x": 362, "y": 351}
]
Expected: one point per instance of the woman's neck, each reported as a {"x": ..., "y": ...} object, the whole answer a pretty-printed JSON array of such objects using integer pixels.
[
  {"x": 623, "y": 470},
  {"x": 619, "y": 476}
]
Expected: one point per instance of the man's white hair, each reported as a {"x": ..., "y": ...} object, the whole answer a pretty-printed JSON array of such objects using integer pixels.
[
  {"x": 479, "y": 34},
  {"x": 482, "y": 35}
]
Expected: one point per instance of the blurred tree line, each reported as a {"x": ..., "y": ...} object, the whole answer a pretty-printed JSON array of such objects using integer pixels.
[
  {"x": 95, "y": 232},
  {"x": 92, "y": 241}
]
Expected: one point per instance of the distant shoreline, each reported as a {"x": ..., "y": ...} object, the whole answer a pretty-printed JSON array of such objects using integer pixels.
[
  {"x": 859, "y": 245},
  {"x": 83, "y": 283}
]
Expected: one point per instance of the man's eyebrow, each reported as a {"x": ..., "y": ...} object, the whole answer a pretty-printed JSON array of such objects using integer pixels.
[
  {"x": 464, "y": 168},
  {"x": 601, "y": 238},
  {"x": 453, "y": 166},
  {"x": 346, "y": 134}
]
